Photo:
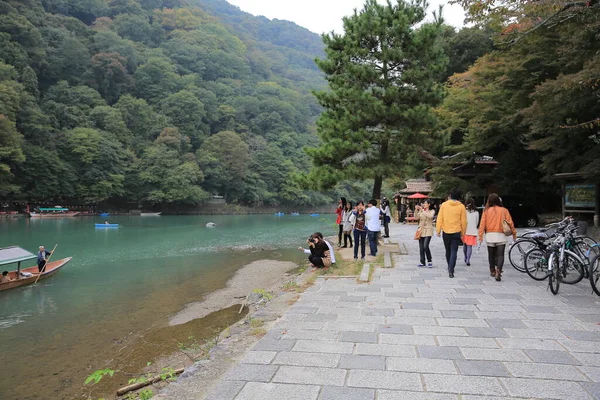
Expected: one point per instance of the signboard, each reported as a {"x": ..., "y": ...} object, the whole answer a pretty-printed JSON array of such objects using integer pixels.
[{"x": 580, "y": 196}]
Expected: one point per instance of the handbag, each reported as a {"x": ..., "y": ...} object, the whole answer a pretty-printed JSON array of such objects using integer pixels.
[
  {"x": 418, "y": 234},
  {"x": 506, "y": 228}
]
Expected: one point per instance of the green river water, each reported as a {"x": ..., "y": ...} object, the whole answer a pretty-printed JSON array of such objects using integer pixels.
[{"x": 119, "y": 283}]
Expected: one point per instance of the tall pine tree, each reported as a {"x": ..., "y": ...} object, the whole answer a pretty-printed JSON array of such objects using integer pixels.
[{"x": 383, "y": 75}]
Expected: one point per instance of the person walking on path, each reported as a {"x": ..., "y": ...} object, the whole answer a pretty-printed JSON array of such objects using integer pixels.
[
  {"x": 373, "y": 214},
  {"x": 360, "y": 230},
  {"x": 496, "y": 225},
  {"x": 347, "y": 222},
  {"x": 425, "y": 216},
  {"x": 470, "y": 238},
  {"x": 340, "y": 211},
  {"x": 452, "y": 221},
  {"x": 387, "y": 216}
]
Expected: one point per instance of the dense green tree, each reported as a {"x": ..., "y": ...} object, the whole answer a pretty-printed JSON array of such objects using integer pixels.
[
  {"x": 186, "y": 113},
  {"x": 110, "y": 75},
  {"x": 224, "y": 159},
  {"x": 156, "y": 79},
  {"x": 383, "y": 73}
]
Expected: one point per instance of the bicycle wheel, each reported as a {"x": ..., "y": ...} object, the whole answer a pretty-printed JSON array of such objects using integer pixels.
[
  {"x": 536, "y": 264},
  {"x": 553, "y": 280},
  {"x": 594, "y": 272},
  {"x": 516, "y": 253},
  {"x": 572, "y": 269}
]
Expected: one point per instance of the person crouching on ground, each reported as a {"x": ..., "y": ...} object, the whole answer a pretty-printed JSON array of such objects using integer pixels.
[
  {"x": 452, "y": 221},
  {"x": 492, "y": 226},
  {"x": 425, "y": 216},
  {"x": 470, "y": 238},
  {"x": 320, "y": 255}
]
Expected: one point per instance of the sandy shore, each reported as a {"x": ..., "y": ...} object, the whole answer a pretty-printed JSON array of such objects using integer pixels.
[{"x": 260, "y": 274}]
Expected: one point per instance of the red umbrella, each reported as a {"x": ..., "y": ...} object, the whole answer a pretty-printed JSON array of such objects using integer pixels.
[{"x": 418, "y": 196}]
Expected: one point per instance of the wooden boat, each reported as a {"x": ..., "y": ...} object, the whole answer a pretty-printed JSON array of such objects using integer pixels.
[
  {"x": 15, "y": 254},
  {"x": 150, "y": 214},
  {"x": 107, "y": 225},
  {"x": 53, "y": 212}
]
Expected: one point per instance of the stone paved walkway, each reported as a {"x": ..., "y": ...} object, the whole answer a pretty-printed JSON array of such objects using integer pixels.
[{"x": 415, "y": 334}]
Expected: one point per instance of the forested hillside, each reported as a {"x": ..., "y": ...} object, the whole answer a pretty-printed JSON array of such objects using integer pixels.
[{"x": 153, "y": 102}]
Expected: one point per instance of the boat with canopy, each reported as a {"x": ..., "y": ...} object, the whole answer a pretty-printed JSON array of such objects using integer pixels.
[
  {"x": 53, "y": 212},
  {"x": 25, "y": 276}
]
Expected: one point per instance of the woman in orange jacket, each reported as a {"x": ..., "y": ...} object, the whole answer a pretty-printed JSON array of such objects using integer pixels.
[{"x": 492, "y": 227}]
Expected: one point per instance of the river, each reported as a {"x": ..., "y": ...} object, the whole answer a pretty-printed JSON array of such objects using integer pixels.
[{"x": 120, "y": 282}]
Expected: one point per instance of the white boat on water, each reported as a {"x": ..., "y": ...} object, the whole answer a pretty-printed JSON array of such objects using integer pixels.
[{"x": 150, "y": 214}]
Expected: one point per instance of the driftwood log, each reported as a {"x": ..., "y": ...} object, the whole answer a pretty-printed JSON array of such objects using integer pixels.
[{"x": 139, "y": 385}]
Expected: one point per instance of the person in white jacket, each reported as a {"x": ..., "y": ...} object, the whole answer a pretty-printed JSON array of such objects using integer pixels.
[
  {"x": 470, "y": 238},
  {"x": 348, "y": 222},
  {"x": 331, "y": 255}
]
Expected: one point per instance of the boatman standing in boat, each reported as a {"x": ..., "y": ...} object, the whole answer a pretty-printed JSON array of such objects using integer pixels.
[{"x": 42, "y": 257}]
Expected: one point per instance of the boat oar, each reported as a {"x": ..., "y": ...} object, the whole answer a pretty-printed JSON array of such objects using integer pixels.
[{"x": 47, "y": 262}]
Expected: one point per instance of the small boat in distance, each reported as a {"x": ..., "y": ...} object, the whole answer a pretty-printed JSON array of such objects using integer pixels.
[
  {"x": 314, "y": 215},
  {"x": 53, "y": 212},
  {"x": 150, "y": 214},
  {"x": 279, "y": 214},
  {"x": 26, "y": 276},
  {"x": 104, "y": 214},
  {"x": 107, "y": 225},
  {"x": 295, "y": 214}
]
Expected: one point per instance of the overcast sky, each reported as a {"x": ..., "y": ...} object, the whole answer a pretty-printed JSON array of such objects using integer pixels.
[{"x": 326, "y": 15}]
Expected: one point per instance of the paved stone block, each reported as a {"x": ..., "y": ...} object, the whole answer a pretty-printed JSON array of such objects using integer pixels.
[
  {"x": 415, "y": 340},
  {"x": 423, "y": 321},
  {"x": 313, "y": 346},
  {"x": 544, "y": 389},
  {"x": 593, "y": 373},
  {"x": 274, "y": 345},
  {"x": 552, "y": 357},
  {"x": 386, "y": 350},
  {"x": 349, "y": 326},
  {"x": 442, "y": 352},
  {"x": 534, "y": 333},
  {"x": 458, "y": 314},
  {"x": 226, "y": 390},
  {"x": 539, "y": 344},
  {"x": 403, "y": 395},
  {"x": 396, "y": 328},
  {"x": 514, "y": 296},
  {"x": 305, "y": 359},
  {"x": 461, "y": 384},
  {"x": 552, "y": 317},
  {"x": 545, "y": 371},
  {"x": 353, "y": 361},
  {"x": 542, "y": 309},
  {"x": 493, "y": 354},
  {"x": 358, "y": 337},
  {"x": 346, "y": 393},
  {"x": 582, "y": 335},
  {"x": 464, "y": 322},
  {"x": 593, "y": 388},
  {"x": 302, "y": 310},
  {"x": 487, "y": 332},
  {"x": 310, "y": 334},
  {"x": 384, "y": 380},
  {"x": 364, "y": 273},
  {"x": 398, "y": 294},
  {"x": 417, "y": 306},
  {"x": 276, "y": 391},
  {"x": 421, "y": 365},
  {"x": 463, "y": 300},
  {"x": 378, "y": 312},
  {"x": 578, "y": 346},
  {"x": 481, "y": 368},
  {"x": 259, "y": 357},
  {"x": 439, "y": 330},
  {"x": 499, "y": 315},
  {"x": 310, "y": 375},
  {"x": 402, "y": 312},
  {"x": 320, "y": 317},
  {"x": 462, "y": 341},
  {"x": 252, "y": 372},
  {"x": 505, "y": 323},
  {"x": 356, "y": 299}
]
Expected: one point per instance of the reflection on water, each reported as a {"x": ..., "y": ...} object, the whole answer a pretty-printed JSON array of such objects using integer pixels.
[{"x": 119, "y": 283}]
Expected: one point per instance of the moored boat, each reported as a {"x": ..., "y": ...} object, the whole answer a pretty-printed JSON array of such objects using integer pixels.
[
  {"x": 294, "y": 214},
  {"x": 279, "y": 214},
  {"x": 314, "y": 215},
  {"x": 104, "y": 214},
  {"x": 150, "y": 214},
  {"x": 53, "y": 212},
  {"x": 26, "y": 276},
  {"x": 107, "y": 225}
]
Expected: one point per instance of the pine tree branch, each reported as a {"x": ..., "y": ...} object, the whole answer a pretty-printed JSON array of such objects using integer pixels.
[{"x": 587, "y": 124}]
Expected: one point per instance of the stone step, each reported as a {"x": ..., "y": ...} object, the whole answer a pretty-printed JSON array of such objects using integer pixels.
[
  {"x": 387, "y": 260},
  {"x": 364, "y": 274}
]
